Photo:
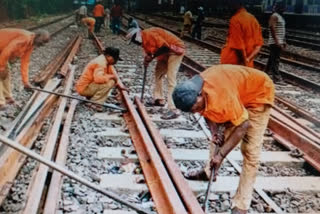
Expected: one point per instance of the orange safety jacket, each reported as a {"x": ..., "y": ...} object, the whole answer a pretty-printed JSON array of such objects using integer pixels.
[
  {"x": 244, "y": 34},
  {"x": 89, "y": 22},
  {"x": 154, "y": 38},
  {"x": 16, "y": 43},
  {"x": 98, "y": 10},
  {"x": 230, "y": 89},
  {"x": 97, "y": 71}
]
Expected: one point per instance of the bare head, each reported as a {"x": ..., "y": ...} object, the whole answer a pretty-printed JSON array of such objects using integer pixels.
[
  {"x": 235, "y": 5},
  {"x": 279, "y": 6},
  {"x": 42, "y": 37}
]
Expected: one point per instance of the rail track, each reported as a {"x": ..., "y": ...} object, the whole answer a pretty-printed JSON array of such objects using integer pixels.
[
  {"x": 294, "y": 37},
  {"x": 140, "y": 157}
]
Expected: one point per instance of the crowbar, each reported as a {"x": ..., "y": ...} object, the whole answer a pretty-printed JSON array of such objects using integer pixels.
[
  {"x": 80, "y": 99},
  {"x": 205, "y": 204},
  {"x": 70, "y": 174},
  {"x": 144, "y": 82}
]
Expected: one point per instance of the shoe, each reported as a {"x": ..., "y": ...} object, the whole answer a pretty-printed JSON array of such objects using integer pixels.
[
  {"x": 236, "y": 210},
  {"x": 10, "y": 101},
  {"x": 170, "y": 115},
  {"x": 157, "y": 102},
  {"x": 196, "y": 174}
]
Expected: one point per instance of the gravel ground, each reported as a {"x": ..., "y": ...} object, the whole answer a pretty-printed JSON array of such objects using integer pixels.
[
  {"x": 297, "y": 202},
  {"x": 16, "y": 199}
]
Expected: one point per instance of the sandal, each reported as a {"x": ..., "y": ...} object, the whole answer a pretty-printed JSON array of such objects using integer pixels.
[
  {"x": 157, "y": 102},
  {"x": 196, "y": 174},
  {"x": 170, "y": 115},
  {"x": 10, "y": 101}
]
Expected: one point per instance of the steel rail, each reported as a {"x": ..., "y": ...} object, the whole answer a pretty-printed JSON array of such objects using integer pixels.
[
  {"x": 161, "y": 187},
  {"x": 294, "y": 79},
  {"x": 188, "y": 197},
  {"x": 70, "y": 174}
]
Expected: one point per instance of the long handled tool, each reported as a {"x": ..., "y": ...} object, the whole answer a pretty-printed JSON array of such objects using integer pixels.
[
  {"x": 70, "y": 174},
  {"x": 144, "y": 82},
  {"x": 80, "y": 99},
  {"x": 205, "y": 204}
]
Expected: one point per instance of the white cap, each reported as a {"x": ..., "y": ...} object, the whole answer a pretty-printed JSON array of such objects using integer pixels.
[{"x": 132, "y": 32}]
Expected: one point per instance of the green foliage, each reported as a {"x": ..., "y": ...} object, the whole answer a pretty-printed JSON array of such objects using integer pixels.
[{"x": 26, "y": 8}]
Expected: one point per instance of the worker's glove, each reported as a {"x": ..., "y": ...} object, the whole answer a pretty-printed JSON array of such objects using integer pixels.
[
  {"x": 3, "y": 74},
  {"x": 215, "y": 164},
  {"x": 147, "y": 59}
]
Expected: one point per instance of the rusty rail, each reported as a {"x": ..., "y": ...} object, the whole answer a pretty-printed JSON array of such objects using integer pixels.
[{"x": 162, "y": 189}]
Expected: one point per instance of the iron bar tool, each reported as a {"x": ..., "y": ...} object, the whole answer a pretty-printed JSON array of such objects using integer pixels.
[
  {"x": 205, "y": 206},
  {"x": 144, "y": 82},
  {"x": 80, "y": 99},
  {"x": 70, "y": 174}
]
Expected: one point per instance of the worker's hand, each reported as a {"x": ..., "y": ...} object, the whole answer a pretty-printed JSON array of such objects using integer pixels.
[
  {"x": 27, "y": 87},
  {"x": 218, "y": 139},
  {"x": 215, "y": 164},
  {"x": 147, "y": 59},
  {"x": 3, "y": 73}
]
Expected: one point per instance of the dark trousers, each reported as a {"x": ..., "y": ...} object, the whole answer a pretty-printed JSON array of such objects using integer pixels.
[
  {"x": 115, "y": 25},
  {"x": 99, "y": 22},
  {"x": 196, "y": 32},
  {"x": 272, "y": 68}
]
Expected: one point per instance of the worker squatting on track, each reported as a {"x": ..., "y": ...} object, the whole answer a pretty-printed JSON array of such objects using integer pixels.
[
  {"x": 169, "y": 51},
  {"x": 16, "y": 43},
  {"x": 90, "y": 23},
  {"x": 244, "y": 39},
  {"x": 236, "y": 102},
  {"x": 98, "y": 78}
]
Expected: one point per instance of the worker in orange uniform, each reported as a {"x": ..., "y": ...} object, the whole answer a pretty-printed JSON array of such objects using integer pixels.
[
  {"x": 97, "y": 79},
  {"x": 98, "y": 14},
  {"x": 244, "y": 39},
  {"x": 169, "y": 51},
  {"x": 16, "y": 43},
  {"x": 89, "y": 22},
  {"x": 236, "y": 102}
]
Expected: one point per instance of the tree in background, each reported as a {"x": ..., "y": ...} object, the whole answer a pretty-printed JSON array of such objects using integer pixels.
[{"x": 25, "y": 8}]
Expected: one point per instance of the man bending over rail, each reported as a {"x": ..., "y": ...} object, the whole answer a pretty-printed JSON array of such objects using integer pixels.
[
  {"x": 169, "y": 51},
  {"x": 90, "y": 23},
  {"x": 236, "y": 102},
  {"x": 16, "y": 43},
  {"x": 98, "y": 78}
]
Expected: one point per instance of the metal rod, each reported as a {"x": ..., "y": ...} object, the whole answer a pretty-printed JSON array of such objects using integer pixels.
[
  {"x": 80, "y": 99},
  {"x": 70, "y": 174},
  {"x": 205, "y": 204},
  {"x": 144, "y": 82}
]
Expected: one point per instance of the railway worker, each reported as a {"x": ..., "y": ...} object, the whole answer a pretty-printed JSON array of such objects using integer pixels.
[
  {"x": 97, "y": 78},
  {"x": 90, "y": 23},
  {"x": 244, "y": 38},
  {"x": 169, "y": 51},
  {"x": 187, "y": 23},
  {"x": 132, "y": 24},
  {"x": 116, "y": 15},
  {"x": 98, "y": 14},
  {"x": 82, "y": 13},
  {"x": 197, "y": 29},
  {"x": 236, "y": 102},
  {"x": 276, "y": 41},
  {"x": 16, "y": 43},
  {"x": 107, "y": 19}
]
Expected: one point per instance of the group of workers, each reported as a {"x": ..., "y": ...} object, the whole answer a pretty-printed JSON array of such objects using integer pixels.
[
  {"x": 233, "y": 97},
  {"x": 101, "y": 16}
]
